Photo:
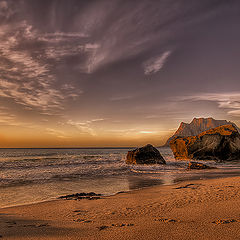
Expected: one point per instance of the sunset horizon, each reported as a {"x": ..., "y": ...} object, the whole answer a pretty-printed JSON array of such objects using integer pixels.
[
  {"x": 155, "y": 139},
  {"x": 86, "y": 77}
]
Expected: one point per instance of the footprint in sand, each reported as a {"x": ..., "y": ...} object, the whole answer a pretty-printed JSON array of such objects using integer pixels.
[
  {"x": 102, "y": 227},
  {"x": 36, "y": 225},
  {"x": 42, "y": 225},
  {"x": 123, "y": 225},
  {"x": 11, "y": 222},
  {"x": 82, "y": 220},
  {"x": 166, "y": 220},
  {"x": 225, "y": 221},
  {"x": 77, "y": 211},
  {"x": 116, "y": 225}
]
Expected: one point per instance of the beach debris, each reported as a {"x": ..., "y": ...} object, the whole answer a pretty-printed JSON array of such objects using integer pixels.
[
  {"x": 77, "y": 196},
  {"x": 36, "y": 225},
  {"x": 145, "y": 155},
  {"x": 198, "y": 166},
  {"x": 220, "y": 144}
]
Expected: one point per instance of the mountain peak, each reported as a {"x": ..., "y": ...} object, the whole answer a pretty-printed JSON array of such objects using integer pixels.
[
  {"x": 196, "y": 126},
  {"x": 200, "y": 120}
]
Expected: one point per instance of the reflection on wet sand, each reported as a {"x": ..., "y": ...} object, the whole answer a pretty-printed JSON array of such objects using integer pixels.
[{"x": 137, "y": 182}]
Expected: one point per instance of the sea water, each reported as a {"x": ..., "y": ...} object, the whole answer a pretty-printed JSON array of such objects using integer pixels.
[{"x": 35, "y": 175}]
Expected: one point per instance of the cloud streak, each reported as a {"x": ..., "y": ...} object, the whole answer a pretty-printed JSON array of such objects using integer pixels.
[
  {"x": 155, "y": 64},
  {"x": 86, "y": 126},
  {"x": 25, "y": 77},
  {"x": 229, "y": 101}
]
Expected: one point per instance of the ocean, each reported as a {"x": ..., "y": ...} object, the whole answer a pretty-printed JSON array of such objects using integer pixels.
[{"x": 35, "y": 175}]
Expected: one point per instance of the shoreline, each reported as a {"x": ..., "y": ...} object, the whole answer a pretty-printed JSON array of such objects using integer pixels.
[
  {"x": 207, "y": 209},
  {"x": 131, "y": 190}
]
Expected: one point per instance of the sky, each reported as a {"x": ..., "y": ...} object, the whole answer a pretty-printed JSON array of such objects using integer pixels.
[{"x": 100, "y": 73}]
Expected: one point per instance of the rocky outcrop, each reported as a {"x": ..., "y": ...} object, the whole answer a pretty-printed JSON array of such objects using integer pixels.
[
  {"x": 77, "y": 196},
  {"x": 220, "y": 143},
  {"x": 198, "y": 166},
  {"x": 197, "y": 126},
  {"x": 145, "y": 155}
]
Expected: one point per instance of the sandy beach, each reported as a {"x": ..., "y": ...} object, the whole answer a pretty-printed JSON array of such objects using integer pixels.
[{"x": 201, "y": 209}]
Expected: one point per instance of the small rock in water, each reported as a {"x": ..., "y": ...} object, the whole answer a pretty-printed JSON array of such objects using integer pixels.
[
  {"x": 198, "y": 166},
  {"x": 145, "y": 155}
]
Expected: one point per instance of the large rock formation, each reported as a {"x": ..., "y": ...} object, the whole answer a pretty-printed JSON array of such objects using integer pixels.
[
  {"x": 145, "y": 155},
  {"x": 221, "y": 143},
  {"x": 197, "y": 126}
]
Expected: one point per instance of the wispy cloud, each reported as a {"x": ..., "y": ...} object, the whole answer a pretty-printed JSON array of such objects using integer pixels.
[
  {"x": 135, "y": 132},
  {"x": 147, "y": 132},
  {"x": 120, "y": 98},
  {"x": 59, "y": 46},
  {"x": 137, "y": 28},
  {"x": 57, "y": 133},
  {"x": 25, "y": 76},
  {"x": 57, "y": 37},
  {"x": 7, "y": 118},
  {"x": 85, "y": 126},
  {"x": 229, "y": 101},
  {"x": 155, "y": 64}
]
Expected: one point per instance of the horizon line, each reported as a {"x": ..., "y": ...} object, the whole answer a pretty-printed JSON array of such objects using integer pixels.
[{"x": 75, "y": 147}]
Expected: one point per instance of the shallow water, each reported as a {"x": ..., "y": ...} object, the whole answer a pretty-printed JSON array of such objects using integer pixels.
[{"x": 33, "y": 175}]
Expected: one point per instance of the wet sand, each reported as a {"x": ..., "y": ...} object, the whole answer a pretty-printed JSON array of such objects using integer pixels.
[{"x": 200, "y": 209}]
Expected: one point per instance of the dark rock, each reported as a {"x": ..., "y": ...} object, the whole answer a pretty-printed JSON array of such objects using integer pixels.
[
  {"x": 76, "y": 196},
  {"x": 198, "y": 166},
  {"x": 145, "y": 155},
  {"x": 220, "y": 143},
  {"x": 191, "y": 185},
  {"x": 197, "y": 126}
]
